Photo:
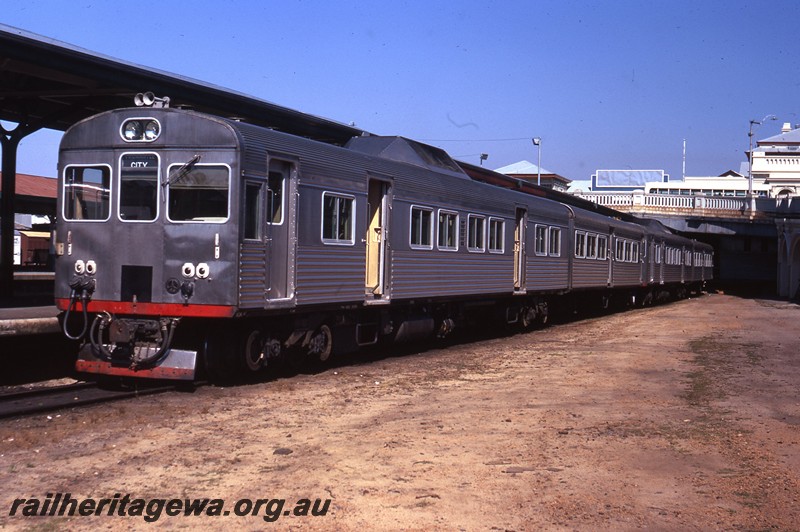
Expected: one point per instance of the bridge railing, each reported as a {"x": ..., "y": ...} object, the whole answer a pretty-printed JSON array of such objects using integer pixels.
[
  {"x": 608, "y": 199},
  {"x": 639, "y": 202},
  {"x": 788, "y": 206}
]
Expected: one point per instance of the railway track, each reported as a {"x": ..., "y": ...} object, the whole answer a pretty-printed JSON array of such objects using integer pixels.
[{"x": 48, "y": 399}]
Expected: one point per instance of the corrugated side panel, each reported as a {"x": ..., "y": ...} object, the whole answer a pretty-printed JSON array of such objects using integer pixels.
[
  {"x": 627, "y": 274},
  {"x": 417, "y": 274},
  {"x": 330, "y": 274},
  {"x": 589, "y": 273},
  {"x": 545, "y": 273},
  {"x": 672, "y": 274},
  {"x": 252, "y": 275}
]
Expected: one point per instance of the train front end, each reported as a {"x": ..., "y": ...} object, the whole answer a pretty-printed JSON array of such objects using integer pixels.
[{"x": 146, "y": 238}]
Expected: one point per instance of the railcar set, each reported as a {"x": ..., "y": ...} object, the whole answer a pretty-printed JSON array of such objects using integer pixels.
[{"x": 188, "y": 241}]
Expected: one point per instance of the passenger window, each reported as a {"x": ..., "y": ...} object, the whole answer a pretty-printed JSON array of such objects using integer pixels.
[
  {"x": 138, "y": 187},
  {"x": 475, "y": 233},
  {"x": 602, "y": 247},
  {"x": 448, "y": 231},
  {"x": 555, "y": 242},
  {"x": 337, "y": 219},
  {"x": 591, "y": 246},
  {"x": 87, "y": 192},
  {"x": 198, "y": 193},
  {"x": 580, "y": 244},
  {"x": 252, "y": 210},
  {"x": 421, "y": 228},
  {"x": 540, "y": 240},
  {"x": 496, "y": 235},
  {"x": 278, "y": 172}
]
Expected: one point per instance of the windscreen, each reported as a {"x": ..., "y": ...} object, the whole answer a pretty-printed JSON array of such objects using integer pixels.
[
  {"x": 138, "y": 190},
  {"x": 199, "y": 193},
  {"x": 86, "y": 192}
]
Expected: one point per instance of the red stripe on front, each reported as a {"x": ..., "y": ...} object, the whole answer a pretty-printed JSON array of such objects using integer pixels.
[{"x": 151, "y": 309}]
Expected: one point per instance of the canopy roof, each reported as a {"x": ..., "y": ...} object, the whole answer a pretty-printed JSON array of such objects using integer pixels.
[{"x": 50, "y": 84}]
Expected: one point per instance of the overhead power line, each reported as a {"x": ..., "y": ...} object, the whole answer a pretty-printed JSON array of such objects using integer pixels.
[{"x": 474, "y": 140}]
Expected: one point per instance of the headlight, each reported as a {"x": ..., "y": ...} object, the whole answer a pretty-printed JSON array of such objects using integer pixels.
[
  {"x": 140, "y": 130},
  {"x": 91, "y": 267},
  {"x": 151, "y": 130},
  {"x": 132, "y": 130},
  {"x": 80, "y": 267}
]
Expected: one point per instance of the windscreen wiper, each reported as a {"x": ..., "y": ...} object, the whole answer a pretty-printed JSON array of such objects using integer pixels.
[{"x": 181, "y": 172}]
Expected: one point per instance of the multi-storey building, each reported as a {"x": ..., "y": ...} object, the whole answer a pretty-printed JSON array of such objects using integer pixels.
[{"x": 776, "y": 162}]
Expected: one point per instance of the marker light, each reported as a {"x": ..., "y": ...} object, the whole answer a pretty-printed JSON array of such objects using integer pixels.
[{"x": 188, "y": 270}]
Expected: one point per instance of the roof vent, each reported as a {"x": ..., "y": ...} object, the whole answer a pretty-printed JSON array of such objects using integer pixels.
[
  {"x": 787, "y": 127},
  {"x": 405, "y": 150}
]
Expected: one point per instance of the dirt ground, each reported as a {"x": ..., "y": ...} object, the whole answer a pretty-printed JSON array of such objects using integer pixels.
[{"x": 683, "y": 416}]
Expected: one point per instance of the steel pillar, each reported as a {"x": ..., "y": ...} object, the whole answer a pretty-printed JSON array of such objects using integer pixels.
[{"x": 9, "y": 143}]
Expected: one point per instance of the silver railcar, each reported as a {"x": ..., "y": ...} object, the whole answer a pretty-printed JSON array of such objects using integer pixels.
[{"x": 190, "y": 241}]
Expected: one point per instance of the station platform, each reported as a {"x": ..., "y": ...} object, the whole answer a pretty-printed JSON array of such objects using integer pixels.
[
  {"x": 19, "y": 321},
  {"x": 30, "y": 311}
]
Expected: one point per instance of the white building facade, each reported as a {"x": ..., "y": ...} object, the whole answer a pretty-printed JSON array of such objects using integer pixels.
[{"x": 776, "y": 162}]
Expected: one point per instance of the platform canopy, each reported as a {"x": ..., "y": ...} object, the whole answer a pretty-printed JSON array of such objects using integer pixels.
[{"x": 54, "y": 84}]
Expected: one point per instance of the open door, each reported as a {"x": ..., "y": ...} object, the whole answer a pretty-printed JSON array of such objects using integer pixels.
[
  {"x": 614, "y": 254},
  {"x": 519, "y": 250},
  {"x": 375, "y": 239}
]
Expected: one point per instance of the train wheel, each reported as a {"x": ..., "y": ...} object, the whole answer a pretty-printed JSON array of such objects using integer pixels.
[
  {"x": 321, "y": 344},
  {"x": 253, "y": 351},
  {"x": 527, "y": 317},
  {"x": 647, "y": 300}
]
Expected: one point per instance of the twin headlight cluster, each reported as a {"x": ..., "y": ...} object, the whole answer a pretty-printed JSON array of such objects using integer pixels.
[
  {"x": 140, "y": 130},
  {"x": 189, "y": 270},
  {"x": 89, "y": 267}
]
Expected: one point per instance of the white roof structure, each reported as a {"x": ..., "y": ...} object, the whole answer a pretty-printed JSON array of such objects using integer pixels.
[{"x": 523, "y": 168}]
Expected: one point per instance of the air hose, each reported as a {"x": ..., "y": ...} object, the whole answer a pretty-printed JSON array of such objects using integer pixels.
[
  {"x": 86, "y": 287},
  {"x": 101, "y": 323},
  {"x": 166, "y": 342}
]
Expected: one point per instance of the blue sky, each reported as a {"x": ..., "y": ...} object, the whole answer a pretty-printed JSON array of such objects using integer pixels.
[{"x": 610, "y": 84}]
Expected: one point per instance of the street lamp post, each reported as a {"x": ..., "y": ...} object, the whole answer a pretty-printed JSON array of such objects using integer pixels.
[
  {"x": 537, "y": 141},
  {"x": 750, "y": 163}
]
